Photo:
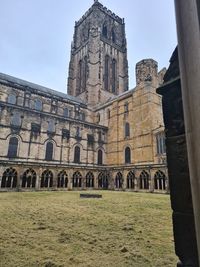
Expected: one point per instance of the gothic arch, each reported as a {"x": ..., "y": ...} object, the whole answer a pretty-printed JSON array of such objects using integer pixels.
[
  {"x": 77, "y": 179},
  {"x": 9, "y": 178},
  {"x": 62, "y": 179},
  {"x": 46, "y": 179},
  {"x": 144, "y": 180},
  {"x": 118, "y": 180},
  {"x": 103, "y": 180},
  {"x": 127, "y": 155},
  {"x": 29, "y": 179},
  {"x": 159, "y": 180},
  {"x": 130, "y": 182},
  {"x": 89, "y": 179}
]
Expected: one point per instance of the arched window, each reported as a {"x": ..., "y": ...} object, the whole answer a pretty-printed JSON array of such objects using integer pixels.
[
  {"x": 13, "y": 147},
  {"x": 77, "y": 179},
  {"x": 89, "y": 179},
  {"x": 100, "y": 157},
  {"x": 12, "y": 99},
  {"x": 29, "y": 179},
  {"x": 98, "y": 117},
  {"x": 80, "y": 77},
  {"x": 114, "y": 71},
  {"x": 49, "y": 151},
  {"x": 118, "y": 180},
  {"x": 105, "y": 31},
  {"x": 77, "y": 154},
  {"x": 38, "y": 104},
  {"x": 84, "y": 82},
  {"x": 144, "y": 180},
  {"x": 62, "y": 179},
  {"x": 9, "y": 178},
  {"x": 47, "y": 179},
  {"x": 108, "y": 114},
  {"x": 127, "y": 129},
  {"x": 130, "y": 180},
  {"x": 113, "y": 35},
  {"x": 103, "y": 180},
  {"x": 160, "y": 180},
  {"x": 127, "y": 155},
  {"x": 106, "y": 73}
]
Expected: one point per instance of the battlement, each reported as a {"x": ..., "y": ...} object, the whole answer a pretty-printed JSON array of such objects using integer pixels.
[{"x": 98, "y": 5}]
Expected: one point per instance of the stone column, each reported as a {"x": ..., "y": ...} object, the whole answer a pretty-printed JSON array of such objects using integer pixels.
[
  {"x": 179, "y": 178},
  {"x": 188, "y": 30}
]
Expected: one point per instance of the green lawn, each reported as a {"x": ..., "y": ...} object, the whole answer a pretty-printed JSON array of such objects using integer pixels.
[{"x": 54, "y": 229}]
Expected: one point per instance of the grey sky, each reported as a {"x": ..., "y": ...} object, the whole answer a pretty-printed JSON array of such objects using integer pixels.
[{"x": 36, "y": 35}]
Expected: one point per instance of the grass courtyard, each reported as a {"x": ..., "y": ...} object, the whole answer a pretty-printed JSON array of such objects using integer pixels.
[{"x": 58, "y": 229}]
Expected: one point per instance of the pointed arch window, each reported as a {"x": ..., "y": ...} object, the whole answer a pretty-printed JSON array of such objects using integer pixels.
[
  {"x": 127, "y": 155},
  {"x": 49, "y": 151},
  {"x": 106, "y": 74},
  {"x": 77, "y": 154},
  {"x": 80, "y": 76},
  {"x": 100, "y": 157},
  {"x": 13, "y": 147},
  {"x": 84, "y": 75},
  {"x": 113, "y": 35},
  {"x": 114, "y": 71},
  {"x": 105, "y": 31}
]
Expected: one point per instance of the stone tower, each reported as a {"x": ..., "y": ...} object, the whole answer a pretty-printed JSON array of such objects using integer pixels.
[{"x": 98, "y": 67}]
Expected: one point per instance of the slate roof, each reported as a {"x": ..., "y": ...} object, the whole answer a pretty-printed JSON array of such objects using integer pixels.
[{"x": 40, "y": 89}]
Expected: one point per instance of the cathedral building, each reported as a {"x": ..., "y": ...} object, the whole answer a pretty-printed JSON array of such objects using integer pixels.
[{"x": 100, "y": 135}]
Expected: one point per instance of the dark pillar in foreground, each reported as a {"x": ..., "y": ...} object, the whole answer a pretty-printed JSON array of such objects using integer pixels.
[{"x": 179, "y": 179}]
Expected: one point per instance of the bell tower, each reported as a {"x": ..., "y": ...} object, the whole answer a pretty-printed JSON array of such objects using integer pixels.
[{"x": 98, "y": 67}]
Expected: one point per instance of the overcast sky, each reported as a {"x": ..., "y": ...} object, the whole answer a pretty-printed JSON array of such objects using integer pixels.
[{"x": 36, "y": 36}]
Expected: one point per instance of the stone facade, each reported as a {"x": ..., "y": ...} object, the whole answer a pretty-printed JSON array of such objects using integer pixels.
[{"x": 100, "y": 135}]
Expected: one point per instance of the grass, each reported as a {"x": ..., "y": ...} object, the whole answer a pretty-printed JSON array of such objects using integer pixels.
[{"x": 58, "y": 229}]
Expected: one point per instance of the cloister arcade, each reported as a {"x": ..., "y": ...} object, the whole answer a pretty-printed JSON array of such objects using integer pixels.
[{"x": 80, "y": 179}]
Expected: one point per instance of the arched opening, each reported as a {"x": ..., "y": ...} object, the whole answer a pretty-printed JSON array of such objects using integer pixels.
[
  {"x": 62, "y": 180},
  {"x": 159, "y": 180},
  {"x": 131, "y": 180},
  {"x": 127, "y": 130},
  {"x": 106, "y": 73},
  {"x": 47, "y": 179},
  {"x": 103, "y": 180},
  {"x": 13, "y": 147},
  {"x": 77, "y": 153},
  {"x": 80, "y": 77},
  {"x": 144, "y": 180},
  {"x": 9, "y": 178},
  {"x": 119, "y": 180},
  {"x": 89, "y": 180},
  {"x": 49, "y": 151},
  {"x": 29, "y": 179},
  {"x": 100, "y": 157},
  {"x": 127, "y": 155},
  {"x": 105, "y": 31},
  {"x": 113, "y": 35},
  {"x": 114, "y": 71},
  {"x": 77, "y": 179}
]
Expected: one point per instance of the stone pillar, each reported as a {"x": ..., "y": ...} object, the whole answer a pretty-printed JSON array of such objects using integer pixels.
[
  {"x": 179, "y": 179},
  {"x": 151, "y": 185},
  {"x": 188, "y": 30}
]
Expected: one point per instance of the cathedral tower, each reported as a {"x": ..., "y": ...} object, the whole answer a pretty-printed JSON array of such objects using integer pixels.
[{"x": 98, "y": 67}]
